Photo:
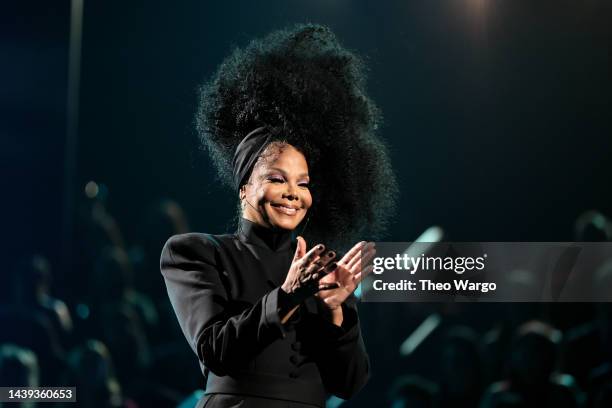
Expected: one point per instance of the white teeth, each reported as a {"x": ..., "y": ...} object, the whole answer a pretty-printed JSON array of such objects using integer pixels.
[{"x": 286, "y": 210}]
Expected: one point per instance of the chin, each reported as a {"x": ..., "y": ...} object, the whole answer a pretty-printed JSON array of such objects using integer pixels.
[{"x": 285, "y": 224}]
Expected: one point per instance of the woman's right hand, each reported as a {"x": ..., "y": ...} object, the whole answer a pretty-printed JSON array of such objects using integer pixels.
[{"x": 306, "y": 269}]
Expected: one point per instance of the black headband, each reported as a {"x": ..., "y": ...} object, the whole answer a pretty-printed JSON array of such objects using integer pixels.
[{"x": 248, "y": 152}]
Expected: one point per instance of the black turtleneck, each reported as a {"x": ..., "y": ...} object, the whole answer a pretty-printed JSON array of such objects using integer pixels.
[
  {"x": 225, "y": 291},
  {"x": 275, "y": 239}
]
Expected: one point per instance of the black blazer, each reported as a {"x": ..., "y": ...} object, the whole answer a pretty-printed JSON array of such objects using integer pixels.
[{"x": 225, "y": 291}]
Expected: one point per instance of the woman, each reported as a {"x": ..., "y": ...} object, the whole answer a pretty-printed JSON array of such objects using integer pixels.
[{"x": 273, "y": 322}]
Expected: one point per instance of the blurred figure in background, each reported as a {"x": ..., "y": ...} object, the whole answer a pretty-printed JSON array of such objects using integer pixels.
[
  {"x": 119, "y": 318},
  {"x": 412, "y": 391},
  {"x": 91, "y": 371},
  {"x": 162, "y": 219},
  {"x": 531, "y": 370},
  {"x": 18, "y": 368},
  {"x": 32, "y": 319},
  {"x": 33, "y": 292},
  {"x": 460, "y": 369},
  {"x": 592, "y": 226},
  {"x": 170, "y": 360}
]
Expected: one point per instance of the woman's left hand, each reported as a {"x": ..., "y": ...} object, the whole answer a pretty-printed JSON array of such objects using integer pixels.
[{"x": 347, "y": 275}]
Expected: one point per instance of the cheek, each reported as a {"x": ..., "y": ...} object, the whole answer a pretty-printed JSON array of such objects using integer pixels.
[
  {"x": 259, "y": 193},
  {"x": 307, "y": 199},
  {"x": 267, "y": 194}
]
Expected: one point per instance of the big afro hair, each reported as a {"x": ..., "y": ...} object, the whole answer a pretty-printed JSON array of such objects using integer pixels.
[{"x": 302, "y": 81}]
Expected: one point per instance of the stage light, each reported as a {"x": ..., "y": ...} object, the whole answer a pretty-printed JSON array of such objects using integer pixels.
[{"x": 91, "y": 189}]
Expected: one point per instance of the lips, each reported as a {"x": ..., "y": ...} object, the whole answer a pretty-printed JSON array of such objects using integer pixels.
[{"x": 285, "y": 209}]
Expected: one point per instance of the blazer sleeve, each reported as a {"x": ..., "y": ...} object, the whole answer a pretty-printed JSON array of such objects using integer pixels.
[
  {"x": 340, "y": 352},
  {"x": 223, "y": 337}
]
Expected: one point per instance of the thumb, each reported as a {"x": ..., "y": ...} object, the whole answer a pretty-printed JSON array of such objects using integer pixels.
[{"x": 300, "y": 250}]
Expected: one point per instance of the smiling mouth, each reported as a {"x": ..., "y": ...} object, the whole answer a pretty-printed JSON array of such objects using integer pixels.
[{"x": 285, "y": 209}]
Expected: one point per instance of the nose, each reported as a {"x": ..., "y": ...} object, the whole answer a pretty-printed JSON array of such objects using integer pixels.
[{"x": 290, "y": 194}]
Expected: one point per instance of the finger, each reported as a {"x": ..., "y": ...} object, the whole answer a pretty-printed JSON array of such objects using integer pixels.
[
  {"x": 326, "y": 258},
  {"x": 322, "y": 272},
  {"x": 360, "y": 255},
  {"x": 324, "y": 287},
  {"x": 300, "y": 249},
  {"x": 353, "y": 251},
  {"x": 320, "y": 262},
  {"x": 314, "y": 252},
  {"x": 366, "y": 262},
  {"x": 320, "y": 266},
  {"x": 328, "y": 269},
  {"x": 367, "y": 259},
  {"x": 364, "y": 272},
  {"x": 356, "y": 260},
  {"x": 310, "y": 271}
]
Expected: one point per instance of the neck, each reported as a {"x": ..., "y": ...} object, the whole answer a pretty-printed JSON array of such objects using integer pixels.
[
  {"x": 263, "y": 235},
  {"x": 256, "y": 219}
]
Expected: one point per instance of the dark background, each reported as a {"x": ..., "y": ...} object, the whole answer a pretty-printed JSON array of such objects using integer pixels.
[{"x": 497, "y": 113}]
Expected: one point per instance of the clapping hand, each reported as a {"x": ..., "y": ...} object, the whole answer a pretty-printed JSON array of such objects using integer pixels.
[
  {"x": 306, "y": 270},
  {"x": 337, "y": 285}
]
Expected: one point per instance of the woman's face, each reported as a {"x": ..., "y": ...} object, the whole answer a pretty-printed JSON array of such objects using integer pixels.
[{"x": 277, "y": 194}]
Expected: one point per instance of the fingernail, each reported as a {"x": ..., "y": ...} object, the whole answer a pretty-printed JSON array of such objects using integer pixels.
[
  {"x": 330, "y": 254},
  {"x": 320, "y": 247}
]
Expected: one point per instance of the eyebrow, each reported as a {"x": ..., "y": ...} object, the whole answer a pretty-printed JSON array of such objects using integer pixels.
[{"x": 285, "y": 173}]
